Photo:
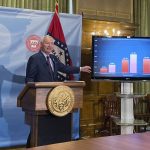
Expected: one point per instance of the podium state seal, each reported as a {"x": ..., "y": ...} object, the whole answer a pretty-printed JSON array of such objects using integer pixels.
[{"x": 60, "y": 100}]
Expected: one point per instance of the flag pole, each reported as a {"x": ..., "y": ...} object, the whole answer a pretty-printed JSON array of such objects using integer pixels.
[{"x": 56, "y": 7}]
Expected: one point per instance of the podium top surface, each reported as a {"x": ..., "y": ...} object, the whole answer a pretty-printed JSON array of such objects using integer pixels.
[{"x": 54, "y": 84}]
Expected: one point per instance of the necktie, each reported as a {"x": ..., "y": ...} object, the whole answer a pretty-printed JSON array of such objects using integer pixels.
[{"x": 50, "y": 66}]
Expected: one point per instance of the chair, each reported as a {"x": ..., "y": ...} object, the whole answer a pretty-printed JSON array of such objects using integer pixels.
[
  {"x": 111, "y": 109},
  {"x": 142, "y": 111}
]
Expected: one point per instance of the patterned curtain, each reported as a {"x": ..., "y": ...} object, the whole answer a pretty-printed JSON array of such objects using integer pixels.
[
  {"x": 48, "y": 5},
  {"x": 142, "y": 20}
]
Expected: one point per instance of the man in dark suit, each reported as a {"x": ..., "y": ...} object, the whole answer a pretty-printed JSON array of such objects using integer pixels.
[{"x": 43, "y": 67}]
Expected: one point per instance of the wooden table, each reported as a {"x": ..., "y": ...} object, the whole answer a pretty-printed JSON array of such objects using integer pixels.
[{"x": 138, "y": 141}]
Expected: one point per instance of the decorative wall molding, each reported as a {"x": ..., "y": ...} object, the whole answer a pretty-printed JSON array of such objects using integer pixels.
[{"x": 112, "y": 10}]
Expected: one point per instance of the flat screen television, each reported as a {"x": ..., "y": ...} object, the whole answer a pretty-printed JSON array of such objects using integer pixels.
[{"x": 121, "y": 58}]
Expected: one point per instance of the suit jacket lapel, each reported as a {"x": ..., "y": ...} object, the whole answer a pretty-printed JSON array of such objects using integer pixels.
[
  {"x": 43, "y": 60},
  {"x": 45, "y": 65}
]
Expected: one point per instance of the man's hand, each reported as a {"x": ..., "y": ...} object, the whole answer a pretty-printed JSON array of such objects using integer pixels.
[{"x": 85, "y": 69}]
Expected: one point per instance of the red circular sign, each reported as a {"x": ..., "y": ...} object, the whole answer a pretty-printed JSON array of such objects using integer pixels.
[{"x": 33, "y": 43}]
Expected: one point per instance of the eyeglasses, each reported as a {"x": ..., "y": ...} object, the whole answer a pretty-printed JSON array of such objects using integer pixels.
[{"x": 50, "y": 43}]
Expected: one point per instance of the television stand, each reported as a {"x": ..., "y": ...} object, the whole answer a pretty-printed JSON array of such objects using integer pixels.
[{"x": 127, "y": 113}]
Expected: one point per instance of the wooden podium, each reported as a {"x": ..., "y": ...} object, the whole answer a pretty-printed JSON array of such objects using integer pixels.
[{"x": 45, "y": 127}]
